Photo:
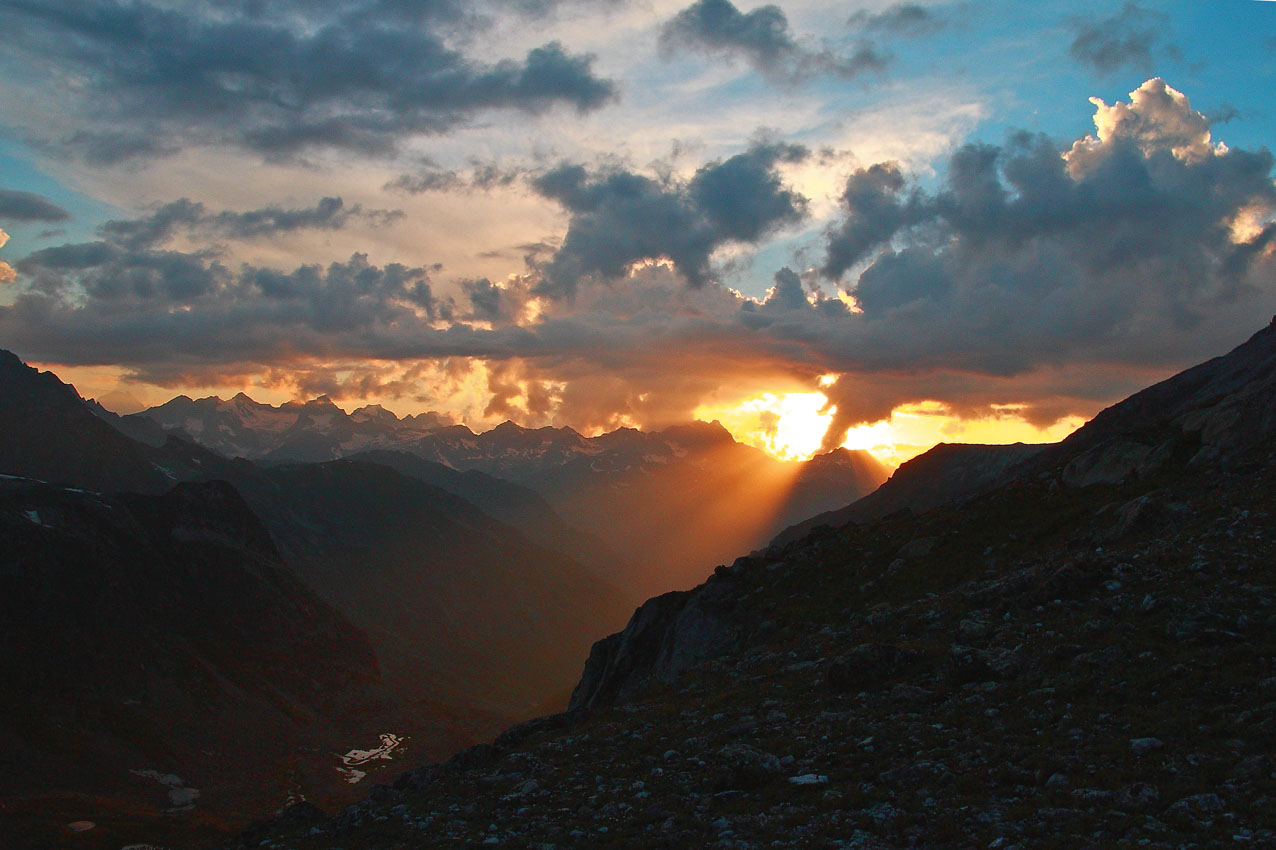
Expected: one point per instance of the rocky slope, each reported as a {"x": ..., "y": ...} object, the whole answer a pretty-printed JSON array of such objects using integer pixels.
[{"x": 1049, "y": 664}]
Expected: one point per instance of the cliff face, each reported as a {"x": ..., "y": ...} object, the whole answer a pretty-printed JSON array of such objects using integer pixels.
[{"x": 666, "y": 636}]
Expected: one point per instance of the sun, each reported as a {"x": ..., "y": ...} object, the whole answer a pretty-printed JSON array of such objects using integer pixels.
[{"x": 789, "y": 426}]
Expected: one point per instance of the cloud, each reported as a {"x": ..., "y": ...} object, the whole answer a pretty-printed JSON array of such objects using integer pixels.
[
  {"x": 763, "y": 39},
  {"x": 194, "y": 218},
  {"x": 26, "y": 206},
  {"x": 7, "y": 273},
  {"x": 903, "y": 19},
  {"x": 619, "y": 217},
  {"x": 1125, "y": 39},
  {"x": 875, "y": 211},
  {"x": 1059, "y": 276},
  {"x": 282, "y": 78},
  {"x": 500, "y": 305},
  {"x": 1117, "y": 244},
  {"x": 1156, "y": 118},
  {"x": 481, "y": 176}
]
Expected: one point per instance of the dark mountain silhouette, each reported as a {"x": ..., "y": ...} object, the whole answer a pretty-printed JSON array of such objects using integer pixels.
[
  {"x": 946, "y": 473},
  {"x": 1079, "y": 654},
  {"x": 674, "y": 503},
  {"x": 1211, "y": 413},
  {"x": 460, "y": 607},
  {"x": 47, "y": 433},
  {"x": 514, "y": 505},
  {"x": 143, "y": 632}
]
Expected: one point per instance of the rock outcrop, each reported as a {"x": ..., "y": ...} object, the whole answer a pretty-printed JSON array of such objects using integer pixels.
[{"x": 666, "y": 636}]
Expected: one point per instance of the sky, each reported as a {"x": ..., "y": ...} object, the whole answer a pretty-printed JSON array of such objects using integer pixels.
[{"x": 872, "y": 224}]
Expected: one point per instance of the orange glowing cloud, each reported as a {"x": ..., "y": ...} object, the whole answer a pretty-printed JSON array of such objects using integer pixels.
[{"x": 790, "y": 426}]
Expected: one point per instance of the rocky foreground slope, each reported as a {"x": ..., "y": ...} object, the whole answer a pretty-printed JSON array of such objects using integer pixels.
[{"x": 1046, "y": 665}]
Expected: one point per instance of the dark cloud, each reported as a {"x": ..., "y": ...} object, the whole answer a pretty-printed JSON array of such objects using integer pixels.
[
  {"x": 193, "y": 217},
  {"x": 281, "y": 77},
  {"x": 763, "y": 39},
  {"x": 481, "y": 176},
  {"x": 26, "y": 206},
  {"x": 619, "y": 218},
  {"x": 904, "y": 19},
  {"x": 1125, "y": 39},
  {"x": 500, "y": 305},
  {"x": 876, "y": 207},
  {"x": 1027, "y": 253},
  {"x": 1223, "y": 114}
]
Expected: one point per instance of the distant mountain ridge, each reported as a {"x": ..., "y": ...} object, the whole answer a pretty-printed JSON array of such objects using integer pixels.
[
  {"x": 314, "y": 430},
  {"x": 673, "y": 503}
]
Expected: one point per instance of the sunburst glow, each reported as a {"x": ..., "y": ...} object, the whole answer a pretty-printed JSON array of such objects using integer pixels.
[
  {"x": 791, "y": 426},
  {"x": 788, "y": 426}
]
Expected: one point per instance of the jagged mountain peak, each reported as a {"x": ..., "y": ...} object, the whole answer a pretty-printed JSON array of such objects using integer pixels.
[
  {"x": 374, "y": 413},
  {"x": 697, "y": 434},
  {"x": 841, "y": 457},
  {"x": 51, "y": 434}
]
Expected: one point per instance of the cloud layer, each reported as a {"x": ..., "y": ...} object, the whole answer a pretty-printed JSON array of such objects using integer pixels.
[
  {"x": 281, "y": 78},
  {"x": 761, "y": 38},
  {"x": 1052, "y": 275},
  {"x": 27, "y": 206},
  {"x": 1125, "y": 39}
]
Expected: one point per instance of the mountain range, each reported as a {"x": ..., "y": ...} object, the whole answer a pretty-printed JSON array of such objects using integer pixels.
[{"x": 653, "y": 510}]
